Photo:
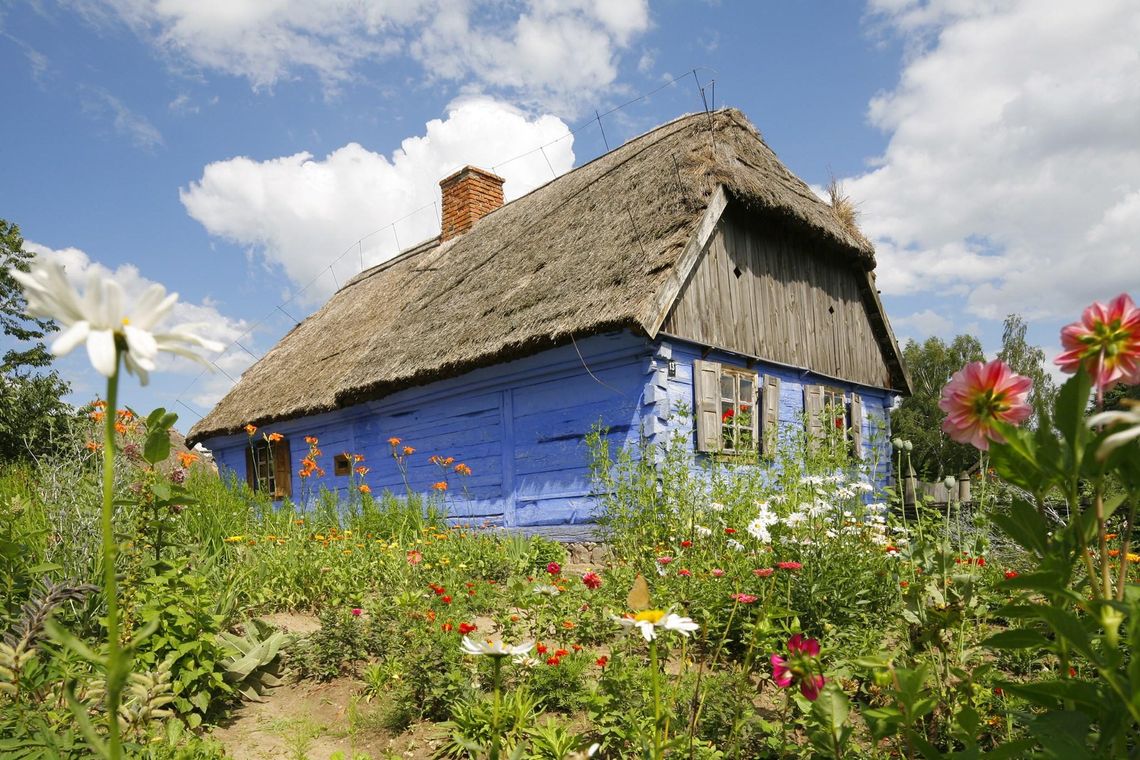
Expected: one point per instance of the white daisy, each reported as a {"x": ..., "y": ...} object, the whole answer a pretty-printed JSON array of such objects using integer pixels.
[
  {"x": 492, "y": 648},
  {"x": 648, "y": 621},
  {"x": 99, "y": 318}
]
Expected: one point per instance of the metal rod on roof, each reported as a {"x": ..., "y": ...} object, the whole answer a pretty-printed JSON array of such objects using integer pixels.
[
  {"x": 191, "y": 410},
  {"x": 227, "y": 374},
  {"x": 599, "y": 118},
  {"x": 243, "y": 348},
  {"x": 398, "y": 237},
  {"x": 636, "y": 232},
  {"x": 335, "y": 280},
  {"x": 280, "y": 309},
  {"x": 548, "y": 164},
  {"x": 360, "y": 249}
]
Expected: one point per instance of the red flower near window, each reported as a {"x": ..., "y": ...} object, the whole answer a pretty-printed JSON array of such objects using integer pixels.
[{"x": 728, "y": 414}]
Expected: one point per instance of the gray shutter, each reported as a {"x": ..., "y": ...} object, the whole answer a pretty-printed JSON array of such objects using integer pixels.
[
  {"x": 769, "y": 430},
  {"x": 857, "y": 424},
  {"x": 813, "y": 410},
  {"x": 706, "y": 389}
]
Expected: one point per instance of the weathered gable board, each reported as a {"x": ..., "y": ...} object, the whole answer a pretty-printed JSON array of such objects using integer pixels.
[{"x": 762, "y": 291}]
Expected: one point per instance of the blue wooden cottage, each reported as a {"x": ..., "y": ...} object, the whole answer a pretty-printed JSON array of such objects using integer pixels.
[{"x": 687, "y": 269}]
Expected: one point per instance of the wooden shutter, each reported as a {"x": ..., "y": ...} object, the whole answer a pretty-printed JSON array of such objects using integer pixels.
[
  {"x": 769, "y": 430},
  {"x": 813, "y": 409},
  {"x": 857, "y": 424},
  {"x": 250, "y": 468},
  {"x": 282, "y": 470},
  {"x": 706, "y": 389}
]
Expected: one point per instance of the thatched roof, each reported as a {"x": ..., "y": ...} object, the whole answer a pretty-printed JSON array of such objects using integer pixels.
[{"x": 585, "y": 253}]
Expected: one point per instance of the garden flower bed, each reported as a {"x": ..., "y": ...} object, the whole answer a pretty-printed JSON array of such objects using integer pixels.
[{"x": 783, "y": 609}]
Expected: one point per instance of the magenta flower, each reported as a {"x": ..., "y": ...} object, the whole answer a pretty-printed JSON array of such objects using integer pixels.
[
  {"x": 980, "y": 395},
  {"x": 744, "y": 598},
  {"x": 1106, "y": 342},
  {"x": 554, "y": 568},
  {"x": 664, "y": 560},
  {"x": 357, "y": 612},
  {"x": 800, "y": 667},
  {"x": 716, "y": 572}
]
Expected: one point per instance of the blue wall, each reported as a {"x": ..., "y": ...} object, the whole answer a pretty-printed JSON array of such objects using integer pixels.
[
  {"x": 521, "y": 427},
  {"x": 667, "y": 393}
]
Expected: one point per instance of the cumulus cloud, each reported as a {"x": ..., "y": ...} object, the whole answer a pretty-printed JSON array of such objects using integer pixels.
[
  {"x": 1012, "y": 173},
  {"x": 209, "y": 320},
  {"x": 923, "y": 324},
  {"x": 301, "y": 212},
  {"x": 550, "y": 51}
]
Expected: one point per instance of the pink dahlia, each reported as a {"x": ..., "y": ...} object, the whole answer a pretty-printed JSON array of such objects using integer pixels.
[
  {"x": 554, "y": 568},
  {"x": 800, "y": 667},
  {"x": 977, "y": 396},
  {"x": 1106, "y": 342}
]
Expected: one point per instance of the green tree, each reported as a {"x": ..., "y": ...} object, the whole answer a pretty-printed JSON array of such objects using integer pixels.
[
  {"x": 31, "y": 399},
  {"x": 1027, "y": 360},
  {"x": 919, "y": 420}
]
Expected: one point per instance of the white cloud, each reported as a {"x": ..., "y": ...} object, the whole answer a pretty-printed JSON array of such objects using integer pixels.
[
  {"x": 1012, "y": 174},
  {"x": 923, "y": 324},
  {"x": 301, "y": 212},
  {"x": 211, "y": 323},
  {"x": 548, "y": 51},
  {"x": 100, "y": 104}
]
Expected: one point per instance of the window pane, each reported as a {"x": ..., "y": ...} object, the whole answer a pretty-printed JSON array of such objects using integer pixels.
[
  {"x": 747, "y": 388},
  {"x": 727, "y": 387}
]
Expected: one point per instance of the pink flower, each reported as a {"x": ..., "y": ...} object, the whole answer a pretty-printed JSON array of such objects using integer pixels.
[
  {"x": 744, "y": 598},
  {"x": 1106, "y": 342},
  {"x": 797, "y": 644},
  {"x": 684, "y": 572},
  {"x": 801, "y": 667},
  {"x": 781, "y": 673},
  {"x": 591, "y": 580},
  {"x": 716, "y": 572},
  {"x": 554, "y": 568},
  {"x": 763, "y": 572},
  {"x": 414, "y": 557},
  {"x": 977, "y": 396},
  {"x": 789, "y": 565},
  {"x": 357, "y": 612},
  {"x": 664, "y": 560}
]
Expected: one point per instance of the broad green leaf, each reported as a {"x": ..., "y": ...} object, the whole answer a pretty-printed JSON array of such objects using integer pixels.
[
  {"x": 1025, "y": 525},
  {"x": 1017, "y": 638}
]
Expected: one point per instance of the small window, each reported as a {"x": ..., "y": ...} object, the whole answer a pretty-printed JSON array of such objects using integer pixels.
[
  {"x": 341, "y": 465},
  {"x": 830, "y": 406},
  {"x": 268, "y": 469},
  {"x": 734, "y": 416}
]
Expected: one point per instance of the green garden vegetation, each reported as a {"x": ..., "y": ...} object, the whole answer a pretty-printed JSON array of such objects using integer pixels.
[{"x": 786, "y": 609}]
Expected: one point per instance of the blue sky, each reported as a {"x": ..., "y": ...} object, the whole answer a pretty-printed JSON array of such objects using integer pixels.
[{"x": 233, "y": 149}]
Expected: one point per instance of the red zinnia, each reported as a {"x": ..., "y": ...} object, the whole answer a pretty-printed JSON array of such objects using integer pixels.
[
  {"x": 554, "y": 568},
  {"x": 466, "y": 628},
  {"x": 763, "y": 572},
  {"x": 602, "y": 661},
  {"x": 446, "y": 599},
  {"x": 789, "y": 565},
  {"x": 591, "y": 580},
  {"x": 744, "y": 598},
  {"x": 1010, "y": 574},
  {"x": 552, "y": 661},
  {"x": 561, "y": 652},
  {"x": 686, "y": 544},
  {"x": 447, "y": 627},
  {"x": 541, "y": 648},
  {"x": 729, "y": 531}
]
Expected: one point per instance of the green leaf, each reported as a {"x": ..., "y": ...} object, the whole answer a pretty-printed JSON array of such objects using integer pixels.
[
  {"x": 1068, "y": 627},
  {"x": 1017, "y": 638},
  {"x": 1063, "y": 734},
  {"x": 1069, "y": 410},
  {"x": 1025, "y": 525}
]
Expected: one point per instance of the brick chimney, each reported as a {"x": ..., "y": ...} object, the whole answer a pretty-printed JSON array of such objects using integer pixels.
[{"x": 468, "y": 195}]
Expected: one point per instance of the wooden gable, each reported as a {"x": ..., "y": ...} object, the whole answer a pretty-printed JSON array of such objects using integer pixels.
[{"x": 763, "y": 290}]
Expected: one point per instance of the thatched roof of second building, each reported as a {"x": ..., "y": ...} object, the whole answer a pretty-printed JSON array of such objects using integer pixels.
[{"x": 585, "y": 253}]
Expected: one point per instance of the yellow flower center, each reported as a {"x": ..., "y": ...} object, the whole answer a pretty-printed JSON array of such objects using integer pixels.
[
  {"x": 649, "y": 616},
  {"x": 126, "y": 320}
]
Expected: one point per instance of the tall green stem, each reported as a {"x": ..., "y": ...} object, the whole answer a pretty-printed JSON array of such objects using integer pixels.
[
  {"x": 498, "y": 681},
  {"x": 657, "y": 748},
  {"x": 115, "y": 665}
]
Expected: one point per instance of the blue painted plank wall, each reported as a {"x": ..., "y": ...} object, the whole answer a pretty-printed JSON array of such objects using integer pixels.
[
  {"x": 520, "y": 426},
  {"x": 667, "y": 393}
]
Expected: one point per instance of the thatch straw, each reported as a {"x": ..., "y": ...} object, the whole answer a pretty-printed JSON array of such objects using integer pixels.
[{"x": 585, "y": 253}]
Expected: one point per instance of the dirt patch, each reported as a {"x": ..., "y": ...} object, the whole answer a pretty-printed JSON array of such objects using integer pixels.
[{"x": 293, "y": 622}]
